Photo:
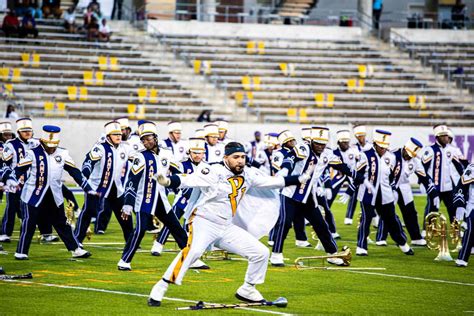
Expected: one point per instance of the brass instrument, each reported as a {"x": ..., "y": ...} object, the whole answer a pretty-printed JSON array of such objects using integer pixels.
[
  {"x": 437, "y": 235},
  {"x": 217, "y": 254},
  {"x": 305, "y": 263},
  {"x": 71, "y": 218}
]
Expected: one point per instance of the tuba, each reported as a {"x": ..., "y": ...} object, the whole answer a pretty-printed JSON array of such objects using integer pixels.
[
  {"x": 437, "y": 235},
  {"x": 306, "y": 263}
]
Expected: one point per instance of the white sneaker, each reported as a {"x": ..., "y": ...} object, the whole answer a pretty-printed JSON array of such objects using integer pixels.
[
  {"x": 124, "y": 266},
  {"x": 418, "y": 242},
  {"x": 382, "y": 243},
  {"x": 335, "y": 261},
  {"x": 302, "y": 244},
  {"x": 406, "y": 249},
  {"x": 21, "y": 256},
  {"x": 361, "y": 252},
  {"x": 80, "y": 253},
  {"x": 270, "y": 243},
  {"x": 336, "y": 235},
  {"x": 248, "y": 293},
  {"x": 423, "y": 233},
  {"x": 319, "y": 246},
  {"x": 157, "y": 293},
  {"x": 276, "y": 259},
  {"x": 156, "y": 249},
  {"x": 347, "y": 221},
  {"x": 199, "y": 264},
  {"x": 375, "y": 221},
  {"x": 4, "y": 238},
  {"x": 461, "y": 263}
]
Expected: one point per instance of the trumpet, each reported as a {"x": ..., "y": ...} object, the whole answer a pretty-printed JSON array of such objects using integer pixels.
[
  {"x": 305, "y": 263},
  {"x": 437, "y": 235}
]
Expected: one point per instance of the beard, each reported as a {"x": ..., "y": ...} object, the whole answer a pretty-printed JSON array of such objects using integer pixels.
[{"x": 238, "y": 169}]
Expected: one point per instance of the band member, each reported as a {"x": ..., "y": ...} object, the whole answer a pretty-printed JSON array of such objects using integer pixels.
[
  {"x": 214, "y": 149},
  {"x": 174, "y": 141},
  {"x": 223, "y": 129}
]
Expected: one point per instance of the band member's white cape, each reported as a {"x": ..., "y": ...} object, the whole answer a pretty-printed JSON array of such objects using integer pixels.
[{"x": 257, "y": 212}]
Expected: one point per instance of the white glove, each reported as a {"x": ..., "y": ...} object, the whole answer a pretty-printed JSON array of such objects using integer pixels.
[
  {"x": 11, "y": 185},
  {"x": 307, "y": 175},
  {"x": 395, "y": 196},
  {"x": 162, "y": 179},
  {"x": 92, "y": 192},
  {"x": 328, "y": 194},
  {"x": 436, "y": 202},
  {"x": 369, "y": 186},
  {"x": 344, "y": 198},
  {"x": 127, "y": 209},
  {"x": 460, "y": 211}
]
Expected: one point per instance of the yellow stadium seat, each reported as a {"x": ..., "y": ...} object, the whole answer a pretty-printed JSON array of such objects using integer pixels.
[
  {"x": 256, "y": 83},
  {"x": 102, "y": 62},
  {"x": 292, "y": 115},
  {"x": 261, "y": 48},
  {"x": 48, "y": 107},
  {"x": 72, "y": 93},
  {"x": 417, "y": 102},
  {"x": 303, "y": 116},
  {"x": 83, "y": 96},
  {"x": 197, "y": 66},
  {"x": 16, "y": 76},
  {"x": 244, "y": 98},
  {"x": 30, "y": 59},
  {"x": 88, "y": 78},
  {"x": 324, "y": 100},
  {"x": 246, "y": 82},
  {"x": 366, "y": 71},
  {"x": 99, "y": 78},
  {"x": 25, "y": 57},
  {"x": 131, "y": 109},
  {"x": 60, "y": 109},
  {"x": 251, "y": 47},
  {"x": 5, "y": 73},
  {"x": 114, "y": 63},
  {"x": 206, "y": 67},
  {"x": 136, "y": 111},
  {"x": 36, "y": 60},
  {"x": 355, "y": 85},
  {"x": 284, "y": 68},
  {"x": 153, "y": 95},
  {"x": 142, "y": 94}
]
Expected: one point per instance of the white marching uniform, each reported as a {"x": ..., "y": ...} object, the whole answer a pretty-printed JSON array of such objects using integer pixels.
[
  {"x": 178, "y": 149},
  {"x": 214, "y": 153},
  {"x": 443, "y": 174},
  {"x": 211, "y": 215},
  {"x": 407, "y": 169}
]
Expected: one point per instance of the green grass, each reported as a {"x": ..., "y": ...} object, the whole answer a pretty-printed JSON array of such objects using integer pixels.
[{"x": 308, "y": 292}]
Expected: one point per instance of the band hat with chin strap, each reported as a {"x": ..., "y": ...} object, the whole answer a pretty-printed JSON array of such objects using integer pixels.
[
  {"x": 174, "y": 127},
  {"x": 124, "y": 122},
  {"x": 146, "y": 128},
  {"x": 113, "y": 128},
  {"x": 306, "y": 133},
  {"x": 450, "y": 133},
  {"x": 343, "y": 136},
  {"x": 6, "y": 127},
  {"x": 223, "y": 125},
  {"x": 285, "y": 137},
  {"x": 211, "y": 130},
  {"x": 320, "y": 134},
  {"x": 413, "y": 147},
  {"x": 50, "y": 135},
  {"x": 359, "y": 130},
  {"x": 197, "y": 145},
  {"x": 382, "y": 138},
  {"x": 24, "y": 125},
  {"x": 199, "y": 133},
  {"x": 441, "y": 130}
]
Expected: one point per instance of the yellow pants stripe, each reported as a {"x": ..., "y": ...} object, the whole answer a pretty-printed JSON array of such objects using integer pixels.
[{"x": 184, "y": 252}]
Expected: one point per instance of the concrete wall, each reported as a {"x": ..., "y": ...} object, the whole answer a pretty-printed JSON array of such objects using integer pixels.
[
  {"x": 78, "y": 136},
  {"x": 264, "y": 31},
  {"x": 439, "y": 36}
]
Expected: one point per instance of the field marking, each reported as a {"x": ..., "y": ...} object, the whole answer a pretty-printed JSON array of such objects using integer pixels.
[
  {"x": 81, "y": 288},
  {"x": 410, "y": 277}
]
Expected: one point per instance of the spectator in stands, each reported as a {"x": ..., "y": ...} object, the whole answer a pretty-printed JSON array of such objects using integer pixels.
[
  {"x": 28, "y": 26},
  {"x": 104, "y": 31},
  {"x": 91, "y": 24},
  {"x": 70, "y": 20},
  {"x": 205, "y": 116},
  {"x": 458, "y": 14},
  {"x": 11, "y": 114},
  {"x": 377, "y": 8},
  {"x": 21, "y": 7},
  {"x": 52, "y": 8},
  {"x": 117, "y": 8},
  {"x": 11, "y": 25}
]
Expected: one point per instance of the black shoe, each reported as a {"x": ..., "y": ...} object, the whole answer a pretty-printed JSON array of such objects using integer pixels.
[
  {"x": 278, "y": 264},
  {"x": 153, "y": 303},
  {"x": 409, "y": 252}
]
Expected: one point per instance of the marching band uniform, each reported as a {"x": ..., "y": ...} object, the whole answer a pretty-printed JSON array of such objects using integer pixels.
[
  {"x": 375, "y": 193},
  {"x": 177, "y": 148},
  {"x": 214, "y": 153},
  {"x": 210, "y": 222},
  {"x": 42, "y": 194},
  {"x": 438, "y": 163},
  {"x": 5, "y": 128},
  {"x": 254, "y": 146},
  {"x": 464, "y": 203},
  {"x": 223, "y": 129},
  {"x": 349, "y": 157},
  {"x": 302, "y": 198},
  {"x": 361, "y": 131},
  {"x": 103, "y": 167},
  {"x": 146, "y": 197}
]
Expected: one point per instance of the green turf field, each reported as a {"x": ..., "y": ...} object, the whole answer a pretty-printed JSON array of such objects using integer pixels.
[{"x": 409, "y": 285}]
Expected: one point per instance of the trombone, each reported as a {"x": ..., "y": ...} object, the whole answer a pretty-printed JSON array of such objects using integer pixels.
[
  {"x": 306, "y": 263},
  {"x": 437, "y": 235}
]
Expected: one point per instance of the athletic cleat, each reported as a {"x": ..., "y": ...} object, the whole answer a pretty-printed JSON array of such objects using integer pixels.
[
  {"x": 80, "y": 253},
  {"x": 381, "y": 243},
  {"x": 347, "y": 221},
  {"x": 276, "y": 259},
  {"x": 199, "y": 264},
  {"x": 336, "y": 235},
  {"x": 156, "y": 249},
  {"x": 21, "y": 256},
  {"x": 303, "y": 244},
  {"x": 124, "y": 266},
  {"x": 361, "y": 252},
  {"x": 418, "y": 242},
  {"x": 248, "y": 293},
  {"x": 157, "y": 293},
  {"x": 5, "y": 238},
  {"x": 270, "y": 243},
  {"x": 460, "y": 263}
]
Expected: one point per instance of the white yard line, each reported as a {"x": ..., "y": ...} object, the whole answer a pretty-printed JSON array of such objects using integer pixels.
[
  {"x": 132, "y": 294},
  {"x": 410, "y": 277}
]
